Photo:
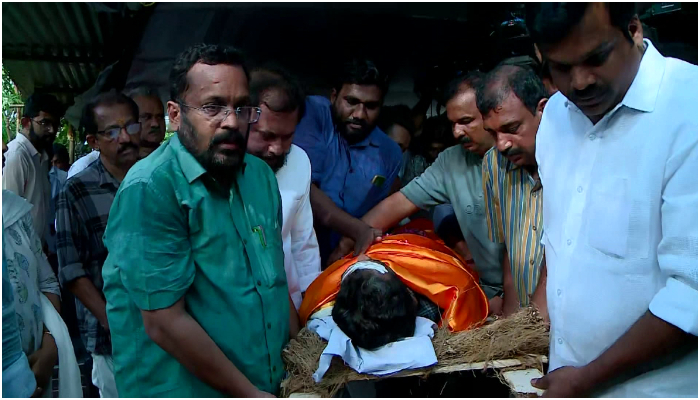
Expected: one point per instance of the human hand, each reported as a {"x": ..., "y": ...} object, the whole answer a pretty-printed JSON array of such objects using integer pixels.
[
  {"x": 496, "y": 306},
  {"x": 42, "y": 362},
  {"x": 345, "y": 246},
  {"x": 365, "y": 239},
  {"x": 563, "y": 382},
  {"x": 261, "y": 394}
]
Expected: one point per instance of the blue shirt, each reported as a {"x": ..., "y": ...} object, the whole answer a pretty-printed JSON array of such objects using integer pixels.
[{"x": 346, "y": 172}]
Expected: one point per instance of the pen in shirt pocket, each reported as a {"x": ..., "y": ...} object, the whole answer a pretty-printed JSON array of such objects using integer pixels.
[{"x": 261, "y": 235}]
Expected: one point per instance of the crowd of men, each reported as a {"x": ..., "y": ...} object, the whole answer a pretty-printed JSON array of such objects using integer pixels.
[{"x": 572, "y": 188}]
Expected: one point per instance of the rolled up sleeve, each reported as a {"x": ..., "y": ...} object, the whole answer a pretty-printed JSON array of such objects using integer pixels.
[
  {"x": 148, "y": 242},
  {"x": 677, "y": 302},
  {"x": 428, "y": 189}
]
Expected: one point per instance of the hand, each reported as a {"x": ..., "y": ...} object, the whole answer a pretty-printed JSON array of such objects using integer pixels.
[
  {"x": 563, "y": 382},
  {"x": 511, "y": 305},
  {"x": 496, "y": 306},
  {"x": 345, "y": 246},
  {"x": 42, "y": 362},
  {"x": 365, "y": 239},
  {"x": 260, "y": 393}
]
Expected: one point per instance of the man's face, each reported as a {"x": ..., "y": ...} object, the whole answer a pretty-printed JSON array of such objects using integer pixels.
[
  {"x": 595, "y": 64},
  {"x": 152, "y": 119},
  {"x": 271, "y": 137},
  {"x": 513, "y": 127},
  {"x": 218, "y": 143},
  {"x": 122, "y": 151},
  {"x": 57, "y": 162},
  {"x": 467, "y": 124},
  {"x": 356, "y": 109},
  {"x": 400, "y": 135},
  {"x": 42, "y": 129}
]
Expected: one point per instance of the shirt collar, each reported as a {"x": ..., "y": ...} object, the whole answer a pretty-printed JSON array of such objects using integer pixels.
[
  {"x": 645, "y": 88},
  {"x": 105, "y": 177},
  {"x": 24, "y": 141},
  {"x": 370, "y": 140}
]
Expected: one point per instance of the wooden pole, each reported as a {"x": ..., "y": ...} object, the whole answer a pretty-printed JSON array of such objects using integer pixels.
[{"x": 71, "y": 144}]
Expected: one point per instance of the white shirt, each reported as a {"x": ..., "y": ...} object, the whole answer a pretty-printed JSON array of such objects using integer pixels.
[
  {"x": 82, "y": 163},
  {"x": 26, "y": 173},
  {"x": 621, "y": 221},
  {"x": 302, "y": 261}
]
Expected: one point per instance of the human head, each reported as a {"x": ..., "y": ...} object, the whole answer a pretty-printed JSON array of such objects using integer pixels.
[
  {"x": 374, "y": 308},
  {"x": 436, "y": 137},
  {"x": 282, "y": 101},
  {"x": 593, "y": 50},
  {"x": 204, "y": 81},
  {"x": 357, "y": 98},
  {"x": 41, "y": 120},
  {"x": 467, "y": 124},
  {"x": 151, "y": 117},
  {"x": 511, "y": 100},
  {"x": 60, "y": 158},
  {"x": 111, "y": 121},
  {"x": 397, "y": 123}
]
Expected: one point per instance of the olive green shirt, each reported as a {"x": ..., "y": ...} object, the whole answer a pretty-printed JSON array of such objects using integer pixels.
[
  {"x": 174, "y": 233},
  {"x": 455, "y": 178}
]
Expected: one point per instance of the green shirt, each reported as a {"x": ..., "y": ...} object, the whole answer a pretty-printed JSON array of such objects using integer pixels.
[
  {"x": 174, "y": 233},
  {"x": 455, "y": 178}
]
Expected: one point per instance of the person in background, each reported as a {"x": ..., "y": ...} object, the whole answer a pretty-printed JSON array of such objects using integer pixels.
[
  {"x": 110, "y": 120},
  {"x": 60, "y": 158},
  {"x": 84, "y": 161},
  {"x": 544, "y": 73},
  {"x": 424, "y": 150},
  {"x": 196, "y": 290},
  {"x": 18, "y": 380},
  {"x": 151, "y": 117},
  {"x": 281, "y": 102},
  {"x": 454, "y": 178},
  {"x": 511, "y": 100},
  {"x": 26, "y": 171},
  {"x": 617, "y": 152},
  {"x": 397, "y": 123},
  {"x": 354, "y": 165}
]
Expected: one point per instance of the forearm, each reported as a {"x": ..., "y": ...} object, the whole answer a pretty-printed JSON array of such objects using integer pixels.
[
  {"x": 55, "y": 300},
  {"x": 511, "y": 303},
  {"x": 182, "y": 337},
  {"x": 83, "y": 289},
  {"x": 328, "y": 214},
  {"x": 539, "y": 297},
  {"x": 390, "y": 212},
  {"x": 294, "y": 324},
  {"x": 636, "y": 347}
]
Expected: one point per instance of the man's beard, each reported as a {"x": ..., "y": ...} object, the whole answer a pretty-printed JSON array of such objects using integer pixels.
[
  {"x": 276, "y": 163},
  {"x": 43, "y": 142},
  {"x": 212, "y": 161},
  {"x": 352, "y": 136}
]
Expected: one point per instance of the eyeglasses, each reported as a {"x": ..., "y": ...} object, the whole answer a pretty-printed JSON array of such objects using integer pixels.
[
  {"x": 218, "y": 114},
  {"x": 113, "y": 133},
  {"x": 46, "y": 124}
]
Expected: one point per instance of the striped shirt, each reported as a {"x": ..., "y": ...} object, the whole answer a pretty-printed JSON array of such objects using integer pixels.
[{"x": 514, "y": 217}]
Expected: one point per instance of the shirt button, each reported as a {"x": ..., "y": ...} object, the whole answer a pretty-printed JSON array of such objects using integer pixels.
[
  {"x": 532, "y": 261},
  {"x": 534, "y": 227},
  {"x": 269, "y": 325},
  {"x": 568, "y": 242},
  {"x": 258, "y": 283},
  {"x": 560, "y": 340},
  {"x": 579, "y": 189},
  {"x": 592, "y": 137},
  {"x": 274, "y": 369},
  {"x": 558, "y": 292}
]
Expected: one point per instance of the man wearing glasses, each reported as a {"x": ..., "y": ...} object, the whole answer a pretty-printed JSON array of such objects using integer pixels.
[
  {"x": 195, "y": 282},
  {"x": 27, "y": 165},
  {"x": 82, "y": 210}
]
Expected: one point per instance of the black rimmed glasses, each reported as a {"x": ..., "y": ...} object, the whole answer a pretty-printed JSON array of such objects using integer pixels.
[
  {"x": 218, "y": 114},
  {"x": 113, "y": 133}
]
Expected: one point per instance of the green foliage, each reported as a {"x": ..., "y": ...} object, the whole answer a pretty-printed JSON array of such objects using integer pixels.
[{"x": 10, "y": 96}]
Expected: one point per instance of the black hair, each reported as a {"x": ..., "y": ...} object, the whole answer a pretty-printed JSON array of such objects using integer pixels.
[
  {"x": 499, "y": 83},
  {"x": 88, "y": 124},
  {"x": 142, "y": 91},
  {"x": 374, "y": 309},
  {"x": 42, "y": 102},
  {"x": 397, "y": 115},
  {"x": 361, "y": 72},
  {"x": 550, "y": 23},
  {"x": 469, "y": 80},
  {"x": 61, "y": 151},
  {"x": 209, "y": 54},
  {"x": 271, "y": 80},
  {"x": 437, "y": 129}
]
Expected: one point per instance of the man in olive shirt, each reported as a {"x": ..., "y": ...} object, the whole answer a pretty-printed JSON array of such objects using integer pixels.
[
  {"x": 454, "y": 178},
  {"x": 195, "y": 284}
]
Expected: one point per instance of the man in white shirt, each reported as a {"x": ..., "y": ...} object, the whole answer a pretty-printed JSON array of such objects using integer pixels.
[
  {"x": 26, "y": 171},
  {"x": 617, "y": 151},
  {"x": 282, "y": 103},
  {"x": 84, "y": 161}
]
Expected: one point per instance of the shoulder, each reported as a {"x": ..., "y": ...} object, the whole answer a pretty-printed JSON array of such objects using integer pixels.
[
  {"x": 492, "y": 161},
  {"x": 678, "y": 88},
  {"x": 299, "y": 160},
  {"x": 315, "y": 103},
  {"x": 391, "y": 151},
  {"x": 453, "y": 154},
  {"x": 257, "y": 169}
]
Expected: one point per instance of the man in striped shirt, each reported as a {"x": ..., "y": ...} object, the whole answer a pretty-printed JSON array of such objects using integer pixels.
[{"x": 511, "y": 100}]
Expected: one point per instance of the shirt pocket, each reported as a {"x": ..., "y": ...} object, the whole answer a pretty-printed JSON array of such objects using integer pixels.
[{"x": 268, "y": 240}]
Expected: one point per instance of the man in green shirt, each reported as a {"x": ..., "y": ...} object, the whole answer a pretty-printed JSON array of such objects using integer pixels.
[
  {"x": 454, "y": 178},
  {"x": 196, "y": 290}
]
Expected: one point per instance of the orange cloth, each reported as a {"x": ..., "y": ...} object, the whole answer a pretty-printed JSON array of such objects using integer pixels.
[{"x": 426, "y": 266}]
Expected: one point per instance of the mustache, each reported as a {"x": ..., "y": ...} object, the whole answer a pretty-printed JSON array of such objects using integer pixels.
[
  {"x": 512, "y": 151},
  {"x": 588, "y": 92},
  {"x": 229, "y": 136},
  {"x": 126, "y": 146},
  {"x": 360, "y": 122},
  {"x": 465, "y": 140}
]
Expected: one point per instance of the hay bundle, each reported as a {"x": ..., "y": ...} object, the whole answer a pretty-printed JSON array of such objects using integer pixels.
[{"x": 517, "y": 336}]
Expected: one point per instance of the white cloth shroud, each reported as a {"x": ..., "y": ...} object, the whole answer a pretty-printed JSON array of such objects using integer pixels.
[
  {"x": 409, "y": 353},
  {"x": 69, "y": 384}
]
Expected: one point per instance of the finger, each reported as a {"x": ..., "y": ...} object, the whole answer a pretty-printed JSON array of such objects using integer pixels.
[{"x": 540, "y": 383}]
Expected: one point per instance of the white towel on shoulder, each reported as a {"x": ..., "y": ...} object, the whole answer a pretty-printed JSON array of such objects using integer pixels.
[{"x": 409, "y": 353}]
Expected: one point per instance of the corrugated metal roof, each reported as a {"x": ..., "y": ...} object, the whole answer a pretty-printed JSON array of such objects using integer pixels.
[{"x": 60, "y": 48}]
